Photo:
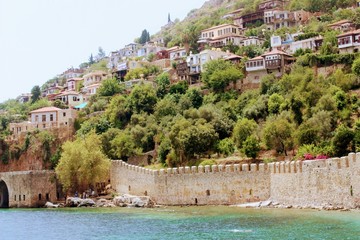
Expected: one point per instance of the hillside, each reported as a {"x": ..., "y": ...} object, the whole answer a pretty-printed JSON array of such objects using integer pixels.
[{"x": 305, "y": 110}]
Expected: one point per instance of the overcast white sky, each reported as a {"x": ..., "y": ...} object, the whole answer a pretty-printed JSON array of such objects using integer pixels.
[{"x": 42, "y": 38}]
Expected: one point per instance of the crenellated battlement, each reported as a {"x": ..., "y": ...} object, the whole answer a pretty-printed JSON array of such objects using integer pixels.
[{"x": 287, "y": 181}]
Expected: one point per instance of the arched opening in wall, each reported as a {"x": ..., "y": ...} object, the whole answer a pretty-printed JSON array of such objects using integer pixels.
[
  {"x": 4, "y": 195},
  {"x": 39, "y": 196},
  {"x": 47, "y": 197},
  {"x": 196, "y": 201},
  {"x": 250, "y": 192},
  {"x": 208, "y": 192},
  {"x": 351, "y": 191}
]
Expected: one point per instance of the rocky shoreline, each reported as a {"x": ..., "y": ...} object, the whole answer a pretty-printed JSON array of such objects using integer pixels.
[
  {"x": 127, "y": 200},
  {"x": 124, "y": 200},
  {"x": 274, "y": 204}
]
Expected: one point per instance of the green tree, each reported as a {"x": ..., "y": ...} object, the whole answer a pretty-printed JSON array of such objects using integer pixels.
[
  {"x": 110, "y": 87},
  {"x": 91, "y": 60},
  {"x": 219, "y": 73},
  {"x": 101, "y": 53},
  {"x": 145, "y": 37},
  {"x": 163, "y": 84},
  {"x": 195, "y": 96},
  {"x": 123, "y": 146},
  {"x": 277, "y": 134},
  {"x": 243, "y": 129},
  {"x": 142, "y": 99},
  {"x": 251, "y": 147},
  {"x": 82, "y": 163},
  {"x": 35, "y": 93},
  {"x": 274, "y": 103},
  {"x": 118, "y": 112},
  {"x": 356, "y": 67},
  {"x": 342, "y": 140},
  {"x": 329, "y": 45},
  {"x": 226, "y": 146}
]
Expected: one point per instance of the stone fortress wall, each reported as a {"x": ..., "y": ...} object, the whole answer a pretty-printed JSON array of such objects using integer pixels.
[
  {"x": 27, "y": 188},
  {"x": 333, "y": 181}
]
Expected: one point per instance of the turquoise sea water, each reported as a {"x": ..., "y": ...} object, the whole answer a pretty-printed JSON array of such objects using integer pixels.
[{"x": 177, "y": 223}]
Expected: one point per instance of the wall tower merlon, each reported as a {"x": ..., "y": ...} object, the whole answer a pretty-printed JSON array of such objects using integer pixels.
[
  {"x": 352, "y": 159},
  {"x": 262, "y": 167},
  {"x": 155, "y": 172},
  {"x": 287, "y": 167},
  {"x": 282, "y": 167},
  {"x": 298, "y": 166},
  {"x": 293, "y": 167},
  {"x": 174, "y": 171},
  {"x": 245, "y": 167},
  {"x": 207, "y": 168},
  {"x": 181, "y": 170},
  {"x": 277, "y": 167},
  {"x": 194, "y": 169},
  {"x": 228, "y": 168},
  {"x": 214, "y": 168},
  {"x": 169, "y": 171},
  {"x": 201, "y": 169},
  {"x": 253, "y": 167},
  {"x": 237, "y": 168},
  {"x": 344, "y": 162},
  {"x": 162, "y": 172},
  {"x": 272, "y": 168},
  {"x": 187, "y": 170},
  {"x": 221, "y": 168}
]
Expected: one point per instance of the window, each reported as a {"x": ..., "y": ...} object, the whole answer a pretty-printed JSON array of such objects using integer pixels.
[
  {"x": 51, "y": 117},
  {"x": 24, "y": 197},
  {"x": 39, "y": 196},
  {"x": 64, "y": 114},
  {"x": 47, "y": 197},
  {"x": 36, "y": 118},
  {"x": 43, "y": 118}
]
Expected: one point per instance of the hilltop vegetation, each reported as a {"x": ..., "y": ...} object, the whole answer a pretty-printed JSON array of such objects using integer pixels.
[{"x": 301, "y": 115}]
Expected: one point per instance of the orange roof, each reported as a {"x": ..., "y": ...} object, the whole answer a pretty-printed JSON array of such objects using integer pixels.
[
  {"x": 349, "y": 33},
  {"x": 275, "y": 51},
  {"x": 219, "y": 26},
  {"x": 339, "y": 23},
  {"x": 46, "y": 109},
  {"x": 257, "y": 58}
]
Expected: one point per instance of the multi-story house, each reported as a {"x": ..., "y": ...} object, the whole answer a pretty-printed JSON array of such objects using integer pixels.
[
  {"x": 23, "y": 98},
  {"x": 222, "y": 35},
  {"x": 342, "y": 26},
  {"x": 149, "y": 48},
  {"x": 275, "y": 19},
  {"x": 73, "y": 73},
  {"x": 52, "y": 90},
  {"x": 177, "y": 53},
  {"x": 349, "y": 42},
  {"x": 70, "y": 98},
  {"x": 92, "y": 82},
  {"x": 74, "y": 84},
  {"x": 275, "y": 62},
  {"x": 196, "y": 62},
  {"x": 94, "y": 77},
  {"x": 44, "y": 118},
  {"x": 256, "y": 41},
  {"x": 257, "y": 17}
]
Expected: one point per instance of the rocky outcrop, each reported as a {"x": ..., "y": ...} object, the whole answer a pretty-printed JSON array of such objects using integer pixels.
[
  {"x": 79, "y": 202},
  {"x": 127, "y": 200}
]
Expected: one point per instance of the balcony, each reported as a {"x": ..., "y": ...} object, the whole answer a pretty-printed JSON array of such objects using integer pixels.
[{"x": 273, "y": 64}]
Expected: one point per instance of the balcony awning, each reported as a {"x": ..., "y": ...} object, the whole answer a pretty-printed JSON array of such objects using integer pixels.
[{"x": 81, "y": 106}]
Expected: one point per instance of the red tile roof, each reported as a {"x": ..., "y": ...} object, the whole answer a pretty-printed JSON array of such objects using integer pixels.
[{"x": 46, "y": 109}]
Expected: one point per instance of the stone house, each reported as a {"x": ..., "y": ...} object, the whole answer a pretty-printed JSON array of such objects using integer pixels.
[
  {"x": 70, "y": 98},
  {"x": 342, "y": 26},
  {"x": 44, "y": 118},
  {"x": 73, "y": 84},
  {"x": 73, "y": 73},
  {"x": 23, "y": 98},
  {"x": 274, "y": 62},
  {"x": 176, "y": 53},
  {"x": 221, "y": 35},
  {"x": 349, "y": 42}
]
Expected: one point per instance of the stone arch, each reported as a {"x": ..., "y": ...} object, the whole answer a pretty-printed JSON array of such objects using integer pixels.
[{"x": 4, "y": 195}]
